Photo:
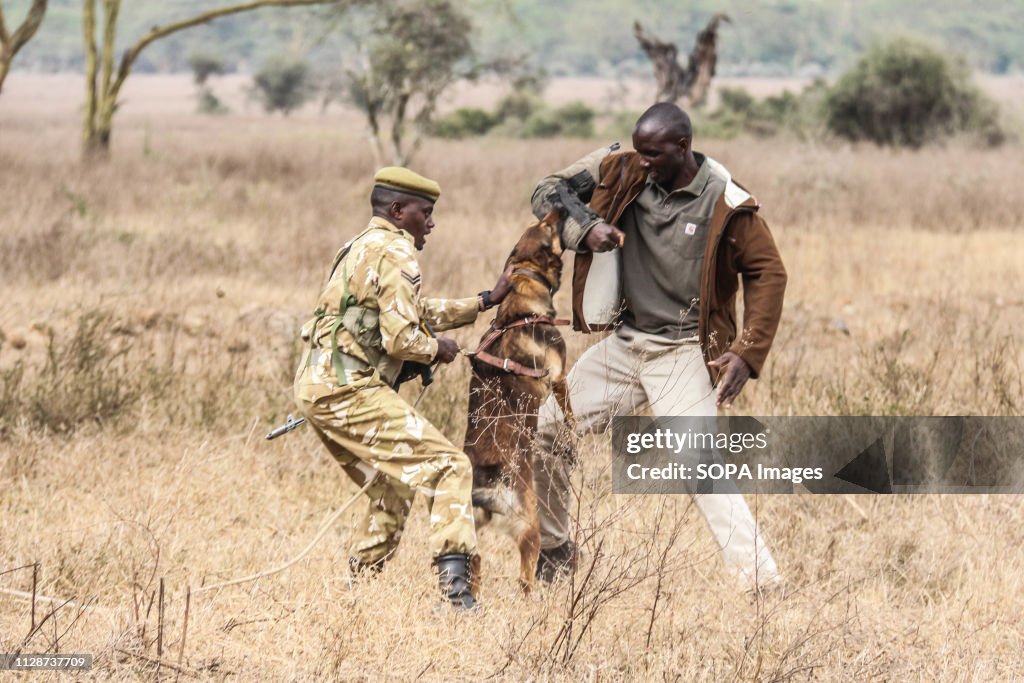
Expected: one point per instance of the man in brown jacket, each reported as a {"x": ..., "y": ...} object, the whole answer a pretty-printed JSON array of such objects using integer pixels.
[{"x": 663, "y": 236}]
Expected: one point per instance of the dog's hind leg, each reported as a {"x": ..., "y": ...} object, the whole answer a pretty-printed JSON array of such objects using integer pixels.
[
  {"x": 527, "y": 532},
  {"x": 498, "y": 500},
  {"x": 490, "y": 496},
  {"x": 481, "y": 517},
  {"x": 560, "y": 389}
]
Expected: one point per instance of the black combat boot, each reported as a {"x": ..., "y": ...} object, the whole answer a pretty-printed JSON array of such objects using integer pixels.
[
  {"x": 556, "y": 562},
  {"x": 453, "y": 574}
]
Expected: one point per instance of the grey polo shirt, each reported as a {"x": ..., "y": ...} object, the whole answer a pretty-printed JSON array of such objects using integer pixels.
[{"x": 666, "y": 233}]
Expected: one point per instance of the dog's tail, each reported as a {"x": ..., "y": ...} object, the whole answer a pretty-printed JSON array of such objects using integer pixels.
[{"x": 500, "y": 500}]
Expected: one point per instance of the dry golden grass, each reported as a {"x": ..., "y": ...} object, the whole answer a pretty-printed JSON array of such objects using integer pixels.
[{"x": 201, "y": 247}]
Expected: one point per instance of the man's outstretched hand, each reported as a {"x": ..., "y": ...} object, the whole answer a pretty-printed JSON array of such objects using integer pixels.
[
  {"x": 604, "y": 237},
  {"x": 447, "y": 350},
  {"x": 736, "y": 372}
]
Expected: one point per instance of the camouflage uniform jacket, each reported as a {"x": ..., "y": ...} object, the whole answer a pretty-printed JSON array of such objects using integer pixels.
[{"x": 380, "y": 277}]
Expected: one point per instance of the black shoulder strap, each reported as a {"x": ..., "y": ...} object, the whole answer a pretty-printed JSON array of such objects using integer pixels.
[
  {"x": 347, "y": 248},
  {"x": 341, "y": 257}
]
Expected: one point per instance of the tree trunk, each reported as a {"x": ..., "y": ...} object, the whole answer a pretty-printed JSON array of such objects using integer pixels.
[
  {"x": 5, "y": 65},
  {"x": 675, "y": 83},
  {"x": 398, "y": 156},
  {"x": 667, "y": 72},
  {"x": 97, "y": 145},
  {"x": 373, "y": 120},
  {"x": 101, "y": 98},
  {"x": 703, "y": 58},
  {"x": 10, "y": 43},
  {"x": 89, "y": 142}
]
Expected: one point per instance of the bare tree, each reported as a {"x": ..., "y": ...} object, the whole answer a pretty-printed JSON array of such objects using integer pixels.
[
  {"x": 103, "y": 83},
  {"x": 10, "y": 43},
  {"x": 675, "y": 84},
  {"x": 417, "y": 50}
]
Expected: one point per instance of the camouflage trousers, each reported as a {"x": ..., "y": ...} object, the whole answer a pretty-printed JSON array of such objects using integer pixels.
[{"x": 373, "y": 433}]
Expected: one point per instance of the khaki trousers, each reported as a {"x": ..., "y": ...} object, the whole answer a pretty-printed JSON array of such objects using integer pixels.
[
  {"x": 618, "y": 376},
  {"x": 373, "y": 433}
]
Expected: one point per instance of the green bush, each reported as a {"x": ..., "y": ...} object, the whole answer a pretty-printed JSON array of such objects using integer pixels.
[
  {"x": 574, "y": 120},
  {"x": 797, "y": 114},
  {"x": 282, "y": 84},
  {"x": 464, "y": 122},
  {"x": 517, "y": 105},
  {"x": 736, "y": 100},
  {"x": 519, "y": 115},
  {"x": 204, "y": 65},
  {"x": 619, "y": 126},
  {"x": 905, "y": 93},
  {"x": 541, "y": 124},
  {"x": 99, "y": 372},
  {"x": 208, "y": 103},
  {"x": 83, "y": 379}
]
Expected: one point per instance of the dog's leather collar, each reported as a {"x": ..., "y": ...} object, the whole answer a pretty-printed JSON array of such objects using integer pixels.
[
  {"x": 507, "y": 364},
  {"x": 534, "y": 275}
]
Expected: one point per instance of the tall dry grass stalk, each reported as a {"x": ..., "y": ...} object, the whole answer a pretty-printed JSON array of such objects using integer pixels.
[{"x": 150, "y": 308}]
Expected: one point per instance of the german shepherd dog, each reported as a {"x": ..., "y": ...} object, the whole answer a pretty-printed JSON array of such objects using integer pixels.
[{"x": 520, "y": 361}]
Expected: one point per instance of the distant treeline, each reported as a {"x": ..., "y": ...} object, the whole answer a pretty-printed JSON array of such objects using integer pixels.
[{"x": 575, "y": 37}]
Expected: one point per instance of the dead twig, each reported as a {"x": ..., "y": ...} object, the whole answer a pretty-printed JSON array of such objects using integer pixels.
[
  {"x": 184, "y": 626},
  {"x": 157, "y": 662}
]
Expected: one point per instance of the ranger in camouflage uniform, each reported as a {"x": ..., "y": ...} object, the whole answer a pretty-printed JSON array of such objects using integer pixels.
[{"x": 368, "y": 321}]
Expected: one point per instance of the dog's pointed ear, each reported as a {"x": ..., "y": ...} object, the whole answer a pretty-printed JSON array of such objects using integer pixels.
[
  {"x": 553, "y": 218},
  {"x": 552, "y": 221},
  {"x": 556, "y": 240}
]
